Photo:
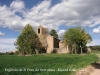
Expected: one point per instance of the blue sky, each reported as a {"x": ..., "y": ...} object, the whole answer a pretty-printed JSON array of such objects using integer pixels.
[{"x": 52, "y": 14}]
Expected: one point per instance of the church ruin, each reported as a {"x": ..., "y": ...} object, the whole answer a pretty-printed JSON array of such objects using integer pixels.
[{"x": 49, "y": 42}]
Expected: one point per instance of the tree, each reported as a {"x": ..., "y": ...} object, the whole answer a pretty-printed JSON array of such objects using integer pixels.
[
  {"x": 54, "y": 33},
  {"x": 83, "y": 39},
  {"x": 27, "y": 41},
  {"x": 70, "y": 37},
  {"x": 77, "y": 38}
]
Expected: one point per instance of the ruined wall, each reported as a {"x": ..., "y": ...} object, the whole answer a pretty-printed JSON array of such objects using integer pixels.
[
  {"x": 89, "y": 50},
  {"x": 63, "y": 48},
  {"x": 50, "y": 44},
  {"x": 61, "y": 44}
]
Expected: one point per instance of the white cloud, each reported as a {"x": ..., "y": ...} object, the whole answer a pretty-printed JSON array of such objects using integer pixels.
[
  {"x": 17, "y": 5},
  {"x": 7, "y": 40},
  {"x": 7, "y": 44},
  {"x": 6, "y": 48},
  {"x": 96, "y": 30},
  {"x": 94, "y": 43},
  {"x": 9, "y": 19},
  {"x": 1, "y": 34},
  {"x": 61, "y": 33},
  {"x": 67, "y": 12}
]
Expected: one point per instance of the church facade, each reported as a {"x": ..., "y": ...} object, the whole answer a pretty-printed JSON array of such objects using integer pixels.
[{"x": 49, "y": 42}]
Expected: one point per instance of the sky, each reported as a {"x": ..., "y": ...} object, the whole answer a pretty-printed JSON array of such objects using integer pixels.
[{"x": 52, "y": 14}]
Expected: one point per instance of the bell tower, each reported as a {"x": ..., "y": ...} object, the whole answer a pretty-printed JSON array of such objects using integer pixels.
[{"x": 41, "y": 31}]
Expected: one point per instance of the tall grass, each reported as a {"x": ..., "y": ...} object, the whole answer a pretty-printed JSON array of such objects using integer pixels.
[{"x": 44, "y": 64}]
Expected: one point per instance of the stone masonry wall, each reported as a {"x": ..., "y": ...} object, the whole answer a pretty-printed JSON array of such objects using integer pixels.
[{"x": 50, "y": 44}]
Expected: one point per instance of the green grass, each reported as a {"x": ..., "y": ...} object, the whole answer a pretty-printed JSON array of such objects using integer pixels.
[
  {"x": 46, "y": 62},
  {"x": 95, "y": 52}
]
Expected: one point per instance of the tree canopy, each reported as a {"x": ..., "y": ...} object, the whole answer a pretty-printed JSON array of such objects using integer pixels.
[
  {"x": 54, "y": 33},
  {"x": 27, "y": 41},
  {"x": 77, "y": 38}
]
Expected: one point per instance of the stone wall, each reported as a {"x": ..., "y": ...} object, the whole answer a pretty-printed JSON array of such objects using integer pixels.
[
  {"x": 50, "y": 44},
  {"x": 63, "y": 48}
]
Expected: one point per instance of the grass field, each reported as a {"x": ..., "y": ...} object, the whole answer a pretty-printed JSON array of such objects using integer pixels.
[{"x": 44, "y": 64}]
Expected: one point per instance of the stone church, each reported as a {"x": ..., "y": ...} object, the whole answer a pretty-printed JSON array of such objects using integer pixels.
[{"x": 50, "y": 43}]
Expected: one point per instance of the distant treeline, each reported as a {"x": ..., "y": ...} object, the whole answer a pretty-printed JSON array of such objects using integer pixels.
[{"x": 95, "y": 47}]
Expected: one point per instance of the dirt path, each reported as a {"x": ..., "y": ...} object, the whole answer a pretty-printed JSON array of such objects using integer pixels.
[
  {"x": 95, "y": 72},
  {"x": 94, "y": 69}
]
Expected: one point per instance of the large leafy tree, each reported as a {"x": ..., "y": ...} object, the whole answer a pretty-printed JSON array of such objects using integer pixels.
[
  {"x": 70, "y": 38},
  {"x": 77, "y": 38},
  {"x": 54, "y": 33},
  {"x": 27, "y": 41}
]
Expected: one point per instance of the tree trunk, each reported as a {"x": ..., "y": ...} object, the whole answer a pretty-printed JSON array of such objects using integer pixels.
[
  {"x": 36, "y": 51},
  {"x": 72, "y": 50},
  {"x": 75, "y": 50},
  {"x": 81, "y": 50}
]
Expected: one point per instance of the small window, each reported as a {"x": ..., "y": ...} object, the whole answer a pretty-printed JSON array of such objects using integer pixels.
[{"x": 38, "y": 31}]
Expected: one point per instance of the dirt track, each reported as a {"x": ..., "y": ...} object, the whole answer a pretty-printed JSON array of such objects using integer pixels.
[
  {"x": 95, "y": 72},
  {"x": 94, "y": 69},
  {"x": 97, "y": 68}
]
